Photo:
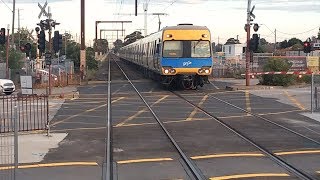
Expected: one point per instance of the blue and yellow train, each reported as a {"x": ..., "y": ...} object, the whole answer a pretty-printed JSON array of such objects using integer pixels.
[{"x": 177, "y": 55}]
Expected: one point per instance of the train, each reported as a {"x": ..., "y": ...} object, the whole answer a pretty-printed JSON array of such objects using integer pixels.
[{"x": 176, "y": 56}]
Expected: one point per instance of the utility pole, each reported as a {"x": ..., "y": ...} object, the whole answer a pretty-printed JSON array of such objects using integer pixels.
[
  {"x": 50, "y": 48},
  {"x": 275, "y": 40},
  {"x": 13, "y": 20},
  {"x": 19, "y": 27},
  {"x": 83, "y": 46},
  {"x": 145, "y": 9},
  {"x": 7, "y": 53},
  {"x": 248, "y": 44}
]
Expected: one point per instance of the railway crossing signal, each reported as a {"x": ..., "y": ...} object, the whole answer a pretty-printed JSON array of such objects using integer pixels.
[
  {"x": 42, "y": 41},
  {"x": 254, "y": 42},
  {"x": 57, "y": 41},
  {"x": 26, "y": 49},
  {"x": 3, "y": 36},
  {"x": 307, "y": 47}
]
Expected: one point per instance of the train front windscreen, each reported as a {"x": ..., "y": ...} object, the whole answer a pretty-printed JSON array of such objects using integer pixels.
[{"x": 186, "y": 49}]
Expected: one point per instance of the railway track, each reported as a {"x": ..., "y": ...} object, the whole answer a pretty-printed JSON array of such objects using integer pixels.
[
  {"x": 192, "y": 169},
  {"x": 277, "y": 159}
]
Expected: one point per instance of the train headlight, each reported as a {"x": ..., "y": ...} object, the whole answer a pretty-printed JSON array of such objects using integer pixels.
[
  {"x": 166, "y": 71},
  {"x": 169, "y": 35},
  {"x": 204, "y": 70},
  {"x": 204, "y": 35}
]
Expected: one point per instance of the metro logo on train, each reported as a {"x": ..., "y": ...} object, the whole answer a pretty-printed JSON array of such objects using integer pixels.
[{"x": 175, "y": 56}]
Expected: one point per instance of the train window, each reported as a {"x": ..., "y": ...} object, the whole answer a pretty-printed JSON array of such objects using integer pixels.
[
  {"x": 158, "y": 49},
  {"x": 172, "y": 49},
  {"x": 200, "y": 49}
]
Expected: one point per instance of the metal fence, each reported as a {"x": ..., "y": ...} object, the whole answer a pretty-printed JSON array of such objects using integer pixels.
[
  {"x": 33, "y": 112},
  {"x": 9, "y": 149},
  {"x": 316, "y": 92}
]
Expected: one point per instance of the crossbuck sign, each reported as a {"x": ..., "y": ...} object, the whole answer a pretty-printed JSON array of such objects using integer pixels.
[{"x": 43, "y": 9}]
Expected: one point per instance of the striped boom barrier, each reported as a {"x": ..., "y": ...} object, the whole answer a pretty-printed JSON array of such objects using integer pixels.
[{"x": 283, "y": 72}]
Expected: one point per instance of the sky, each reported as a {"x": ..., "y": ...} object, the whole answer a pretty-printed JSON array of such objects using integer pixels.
[{"x": 224, "y": 18}]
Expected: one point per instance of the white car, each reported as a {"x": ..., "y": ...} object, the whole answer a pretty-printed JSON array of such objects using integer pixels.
[{"x": 7, "y": 86}]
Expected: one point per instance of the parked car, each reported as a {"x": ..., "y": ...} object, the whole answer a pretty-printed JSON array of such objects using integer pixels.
[{"x": 7, "y": 86}]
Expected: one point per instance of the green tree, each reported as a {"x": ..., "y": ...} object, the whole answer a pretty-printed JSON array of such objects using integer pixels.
[
  {"x": 319, "y": 34},
  {"x": 294, "y": 41},
  {"x": 73, "y": 53},
  {"x": 132, "y": 37},
  {"x": 276, "y": 65},
  {"x": 117, "y": 45},
  {"x": 90, "y": 60},
  {"x": 284, "y": 44}
]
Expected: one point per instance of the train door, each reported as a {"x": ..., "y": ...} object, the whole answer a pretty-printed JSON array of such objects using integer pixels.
[{"x": 158, "y": 53}]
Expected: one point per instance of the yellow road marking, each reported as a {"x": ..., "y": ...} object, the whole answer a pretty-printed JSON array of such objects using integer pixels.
[
  {"x": 249, "y": 176},
  {"x": 193, "y": 113},
  {"x": 144, "y": 160},
  {"x": 78, "y": 129},
  {"x": 228, "y": 155},
  {"x": 167, "y": 122},
  {"x": 76, "y": 115},
  {"x": 239, "y": 116},
  {"x": 52, "y": 165},
  {"x": 295, "y": 101},
  {"x": 141, "y": 111},
  {"x": 248, "y": 105},
  {"x": 298, "y": 152}
]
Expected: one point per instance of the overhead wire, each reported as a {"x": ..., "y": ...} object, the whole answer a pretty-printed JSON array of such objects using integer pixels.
[
  {"x": 7, "y": 5},
  {"x": 173, "y": 1},
  {"x": 299, "y": 32}
]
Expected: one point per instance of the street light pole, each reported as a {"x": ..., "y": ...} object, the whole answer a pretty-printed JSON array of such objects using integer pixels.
[
  {"x": 7, "y": 53},
  {"x": 83, "y": 46}
]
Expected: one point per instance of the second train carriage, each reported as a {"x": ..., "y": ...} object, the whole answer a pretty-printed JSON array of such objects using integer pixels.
[{"x": 176, "y": 55}]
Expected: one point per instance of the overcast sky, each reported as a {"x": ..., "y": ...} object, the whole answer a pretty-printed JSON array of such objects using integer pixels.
[{"x": 225, "y": 18}]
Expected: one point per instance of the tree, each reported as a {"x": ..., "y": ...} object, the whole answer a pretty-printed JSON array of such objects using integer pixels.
[
  {"x": 132, "y": 37},
  {"x": 263, "y": 41},
  {"x": 294, "y": 41},
  {"x": 73, "y": 53},
  {"x": 297, "y": 47},
  {"x": 117, "y": 45},
  {"x": 319, "y": 34},
  {"x": 232, "y": 41},
  {"x": 91, "y": 62},
  {"x": 101, "y": 45},
  {"x": 284, "y": 44}
]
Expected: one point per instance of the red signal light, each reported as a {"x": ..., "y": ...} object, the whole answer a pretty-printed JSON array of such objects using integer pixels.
[{"x": 305, "y": 44}]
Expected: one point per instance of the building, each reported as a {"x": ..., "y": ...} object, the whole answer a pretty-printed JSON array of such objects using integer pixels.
[{"x": 234, "y": 53}]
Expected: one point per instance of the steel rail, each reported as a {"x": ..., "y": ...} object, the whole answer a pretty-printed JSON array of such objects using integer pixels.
[
  {"x": 197, "y": 175},
  {"x": 109, "y": 152},
  {"x": 269, "y": 121},
  {"x": 272, "y": 156}
]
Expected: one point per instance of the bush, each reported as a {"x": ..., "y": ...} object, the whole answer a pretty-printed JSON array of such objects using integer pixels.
[{"x": 276, "y": 65}]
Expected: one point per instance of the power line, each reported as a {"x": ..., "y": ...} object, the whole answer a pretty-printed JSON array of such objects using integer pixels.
[
  {"x": 298, "y": 33},
  {"x": 7, "y": 5},
  {"x": 164, "y": 9}
]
